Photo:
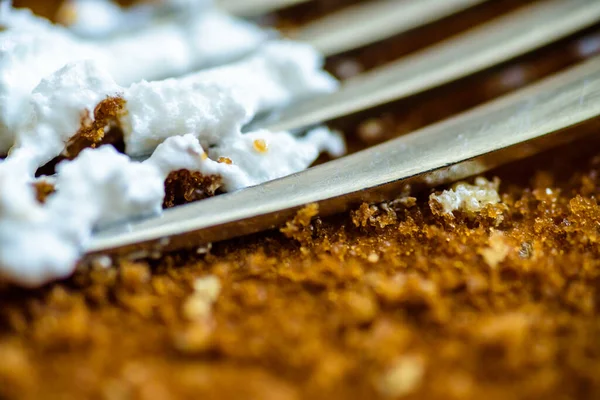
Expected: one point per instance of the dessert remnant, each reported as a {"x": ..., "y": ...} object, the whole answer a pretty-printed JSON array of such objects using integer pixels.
[
  {"x": 469, "y": 198},
  {"x": 189, "y": 126}
]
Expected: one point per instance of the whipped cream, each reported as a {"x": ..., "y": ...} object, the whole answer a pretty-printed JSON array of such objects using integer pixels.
[
  {"x": 32, "y": 48},
  {"x": 212, "y": 105},
  {"x": 101, "y": 187},
  {"x": 194, "y": 123}
]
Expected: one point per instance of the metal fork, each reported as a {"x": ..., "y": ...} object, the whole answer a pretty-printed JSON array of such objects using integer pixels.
[{"x": 509, "y": 128}]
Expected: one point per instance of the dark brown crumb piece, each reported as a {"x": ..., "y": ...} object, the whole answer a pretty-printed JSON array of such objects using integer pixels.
[{"x": 184, "y": 186}]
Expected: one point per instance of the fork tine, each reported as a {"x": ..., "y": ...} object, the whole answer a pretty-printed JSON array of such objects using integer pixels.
[
  {"x": 495, "y": 42},
  {"x": 252, "y": 8},
  {"x": 367, "y": 23},
  {"x": 509, "y": 128}
]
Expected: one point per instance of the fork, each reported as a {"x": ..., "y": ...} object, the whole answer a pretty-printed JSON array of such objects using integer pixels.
[{"x": 512, "y": 127}]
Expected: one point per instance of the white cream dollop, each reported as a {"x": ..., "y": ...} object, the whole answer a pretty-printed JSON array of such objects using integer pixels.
[
  {"x": 217, "y": 103},
  {"x": 42, "y": 242}
]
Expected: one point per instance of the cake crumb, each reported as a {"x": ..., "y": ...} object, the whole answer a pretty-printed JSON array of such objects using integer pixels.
[
  {"x": 43, "y": 189},
  {"x": 207, "y": 287},
  {"x": 468, "y": 198},
  {"x": 497, "y": 250},
  {"x": 225, "y": 160},
  {"x": 199, "y": 305},
  {"x": 373, "y": 258},
  {"x": 371, "y": 131},
  {"x": 300, "y": 227},
  {"x": 403, "y": 378}
]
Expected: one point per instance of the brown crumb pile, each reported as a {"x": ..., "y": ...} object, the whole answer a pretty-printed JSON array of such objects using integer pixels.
[
  {"x": 185, "y": 186},
  {"x": 388, "y": 300}
]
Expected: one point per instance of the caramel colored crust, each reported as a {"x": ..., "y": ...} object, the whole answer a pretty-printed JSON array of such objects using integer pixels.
[{"x": 388, "y": 300}]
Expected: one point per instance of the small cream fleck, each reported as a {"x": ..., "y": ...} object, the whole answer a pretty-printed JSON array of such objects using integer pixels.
[
  {"x": 204, "y": 249},
  {"x": 102, "y": 262},
  {"x": 373, "y": 258},
  {"x": 198, "y": 306},
  {"x": 371, "y": 130},
  {"x": 208, "y": 287},
  {"x": 403, "y": 378},
  {"x": 497, "y": 251},
  {"x": 468, "y": 198}
]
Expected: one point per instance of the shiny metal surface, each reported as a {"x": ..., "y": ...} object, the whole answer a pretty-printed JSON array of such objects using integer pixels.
[
  {"x": 506, "y": 129},
  {"x": 367, "y": 23},
  {"x": 500, "y": 40}
]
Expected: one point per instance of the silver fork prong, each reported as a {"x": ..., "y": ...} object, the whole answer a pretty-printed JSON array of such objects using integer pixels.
[
  {"x": 495, "y": 42},
  {"x": 512, "y": 127},
  {"x": 367, "y": 23},
  {"x": 253, "y": 8}
]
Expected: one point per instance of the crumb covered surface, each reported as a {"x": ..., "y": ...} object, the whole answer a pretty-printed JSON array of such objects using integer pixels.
[
  {"x": 390, "y": 300},
  {"x": 387, "y": 300}
]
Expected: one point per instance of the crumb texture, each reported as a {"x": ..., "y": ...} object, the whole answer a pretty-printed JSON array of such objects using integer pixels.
[{"x": 391, "y": 300}]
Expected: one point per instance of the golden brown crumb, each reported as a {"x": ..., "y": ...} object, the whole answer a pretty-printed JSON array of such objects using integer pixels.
[
  {"x": 225, "y": 160},
  {"x": 300, "y": 227},
  {"x": 94, "y": 132},
  {"x": 260, "y": 145},
  {"x": 42, "y": 190},
  {"x": 66, "y": 14}
]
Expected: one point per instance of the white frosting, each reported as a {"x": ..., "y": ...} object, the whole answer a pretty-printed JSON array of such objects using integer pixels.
[
  {"x": 38, "y": 242},
  {"x": 212, "y": 105},
  {"x": 31, "y": 48},
  {"x": 217, "y": 103},
  {"x": 285, "y": 154},
  {"x": 101, "y": 187},
  {"x": 174, "y": 118}
]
